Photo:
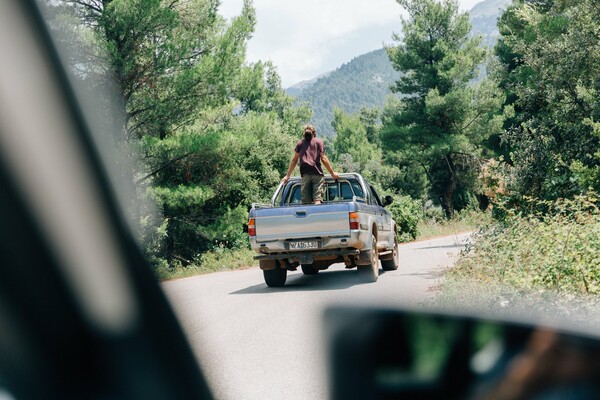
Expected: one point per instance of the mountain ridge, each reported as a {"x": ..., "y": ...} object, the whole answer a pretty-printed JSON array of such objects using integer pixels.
[{"x": 344, "y": 87}]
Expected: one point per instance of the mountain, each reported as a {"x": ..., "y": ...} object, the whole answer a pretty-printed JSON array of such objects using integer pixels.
[
  {"x": 365, "y": 80},
  {"x": 488, "y": 8},
  {"x": 484, "y": 16},
  {"x": 296, "y": 90}
]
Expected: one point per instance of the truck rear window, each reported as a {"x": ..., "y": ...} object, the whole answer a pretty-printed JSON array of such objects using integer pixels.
[{"x": 334, "y": 191}]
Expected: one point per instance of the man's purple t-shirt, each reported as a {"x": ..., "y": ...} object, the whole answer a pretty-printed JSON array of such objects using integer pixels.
[{"x": 310, "y": 156}]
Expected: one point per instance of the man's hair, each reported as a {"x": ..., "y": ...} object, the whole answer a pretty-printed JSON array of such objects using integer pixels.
[{"x": 310, "y": 128}]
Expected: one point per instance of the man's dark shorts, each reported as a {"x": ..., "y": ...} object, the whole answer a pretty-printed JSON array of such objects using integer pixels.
[{"x": 312, "y": 188}]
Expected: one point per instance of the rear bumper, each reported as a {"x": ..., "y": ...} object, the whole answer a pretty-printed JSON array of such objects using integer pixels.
[
  {"x": 354, "y": 249},
  {"x": 352, "y": 257},
  {"x": 304, "y": 254}
]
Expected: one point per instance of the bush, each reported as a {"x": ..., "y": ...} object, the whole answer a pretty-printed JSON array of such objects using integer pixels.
[
  {"x": 407, "y": 214},
  {"x": 555, "y": 249},
  {"x": 435, "y": 223}
]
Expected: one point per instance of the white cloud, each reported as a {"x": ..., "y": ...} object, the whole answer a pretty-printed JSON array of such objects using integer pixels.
[
  {"x": 305, "y": 38},
  {"x": 319, "y": 20}
]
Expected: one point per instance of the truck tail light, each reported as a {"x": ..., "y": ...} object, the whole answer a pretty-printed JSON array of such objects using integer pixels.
[
  {"x": 354, "y": 224},
  {"x": 251, "y": 227}
]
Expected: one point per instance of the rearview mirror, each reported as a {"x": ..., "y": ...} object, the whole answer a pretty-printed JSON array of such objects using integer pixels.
[{"x": 383, "y": 354}]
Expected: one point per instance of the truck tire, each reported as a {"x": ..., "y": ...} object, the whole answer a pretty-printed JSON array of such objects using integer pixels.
[
  {"x": 308, "y": 269},
  {"x": 275, "y": 277},
  {"x": 370, "y": 273},
  {"x": 392, "y": 263}
]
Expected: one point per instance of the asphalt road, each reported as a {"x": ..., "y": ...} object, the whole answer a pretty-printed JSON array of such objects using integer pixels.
[{"x": 255, "y": 342}]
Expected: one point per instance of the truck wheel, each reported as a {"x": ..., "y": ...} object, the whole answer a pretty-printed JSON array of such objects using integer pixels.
[
  {"x": 391, "y": 264},
  {"x": 275, "y": 277},
  {"x": 370, "y": 273},
  {"x": 308, "y": 269}
]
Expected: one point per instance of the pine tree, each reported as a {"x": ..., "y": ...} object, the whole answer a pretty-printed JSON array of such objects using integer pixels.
[{"x": 443, "y": 121}]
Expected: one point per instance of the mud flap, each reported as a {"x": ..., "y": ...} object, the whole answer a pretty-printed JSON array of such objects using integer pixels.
[
  {"x": 364, "y": 258},
  {"x": 267, "y": 265},
  {"x": 305, "y": 259}
]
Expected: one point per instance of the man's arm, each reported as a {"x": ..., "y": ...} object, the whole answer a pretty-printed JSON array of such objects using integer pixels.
[
  {"x": 327, "y": 165},
  {"x": 293, "y": 163}
]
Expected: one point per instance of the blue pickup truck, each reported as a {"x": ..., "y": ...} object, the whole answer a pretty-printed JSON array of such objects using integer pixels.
[{"x": 350, "y": 226}]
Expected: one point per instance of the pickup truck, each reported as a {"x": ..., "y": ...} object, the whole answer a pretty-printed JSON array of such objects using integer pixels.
[{"x": 351, "y": 226}]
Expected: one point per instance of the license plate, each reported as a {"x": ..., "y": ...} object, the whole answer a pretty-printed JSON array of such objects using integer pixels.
[{"x": 309, "y": 244}]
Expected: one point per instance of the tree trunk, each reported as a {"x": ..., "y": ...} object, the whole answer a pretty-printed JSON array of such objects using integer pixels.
[
  {"x": 447, "y": 199},
  {"x": 447, "y": 204}
]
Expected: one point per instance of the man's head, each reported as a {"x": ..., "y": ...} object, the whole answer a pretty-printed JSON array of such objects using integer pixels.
[{"x": 309, "y": 132}]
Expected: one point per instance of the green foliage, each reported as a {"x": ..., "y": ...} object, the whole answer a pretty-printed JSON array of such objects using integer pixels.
[
  {"x": 357, "y": 148},
  {"x": 555, "y": 249},
  {"x": 385, "y": 178},
  {"x": 369, "y": 118},
  {"x": 351, "y": 138},
  {"x": 435, "y": 50},
  {"x": 227, "y": 229},
  {"x": 215, "y": 134},
  {"x": 550, "y": 52},
  {"x": 153, "y": 234},
  {"x": 443, "y": 124},
  {"x": 170, "y": 59},
  {"x": 259, "y": 89},
  {"x": 407, "y": 214},
  {"x": 236, "y": 159},
  {"x": 180, "y": 196}
]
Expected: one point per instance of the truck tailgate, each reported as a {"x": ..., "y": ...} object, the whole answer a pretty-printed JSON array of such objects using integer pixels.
[{"x": 300, "y": 222}]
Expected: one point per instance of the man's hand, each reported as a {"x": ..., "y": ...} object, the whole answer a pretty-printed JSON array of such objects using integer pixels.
[
  {"x": 285, "y": 179},
  {"x": 325, "y": 162}
]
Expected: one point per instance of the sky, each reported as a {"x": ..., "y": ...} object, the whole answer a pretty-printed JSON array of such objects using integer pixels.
[{"x": 306, "y": 38}]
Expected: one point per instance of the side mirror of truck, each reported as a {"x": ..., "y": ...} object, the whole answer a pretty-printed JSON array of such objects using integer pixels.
[{"x": 387, "y": 200}]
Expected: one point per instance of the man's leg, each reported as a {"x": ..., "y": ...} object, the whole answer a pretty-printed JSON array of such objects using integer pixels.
[
  {"x": 318, "y": 185},
  {"x": 306, "y": 189}
]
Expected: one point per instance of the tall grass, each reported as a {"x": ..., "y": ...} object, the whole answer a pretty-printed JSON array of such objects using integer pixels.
[
  {"x": 554, "y": 246},
  {"x": 433, "y": 225},
  {"x": 219, "y": 259}
]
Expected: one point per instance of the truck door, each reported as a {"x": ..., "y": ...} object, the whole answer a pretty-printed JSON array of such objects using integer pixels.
[{"x": 384, "y": 221}]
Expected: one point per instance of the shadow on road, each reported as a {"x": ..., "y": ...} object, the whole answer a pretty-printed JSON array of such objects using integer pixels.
[{"x": 325, "y": 280}]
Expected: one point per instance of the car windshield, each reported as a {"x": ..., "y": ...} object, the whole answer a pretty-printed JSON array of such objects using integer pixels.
[{"x": 458, "y": 138}]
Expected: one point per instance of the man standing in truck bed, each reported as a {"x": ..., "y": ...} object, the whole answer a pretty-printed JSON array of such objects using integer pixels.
[{"x": 311, "y": 152}]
